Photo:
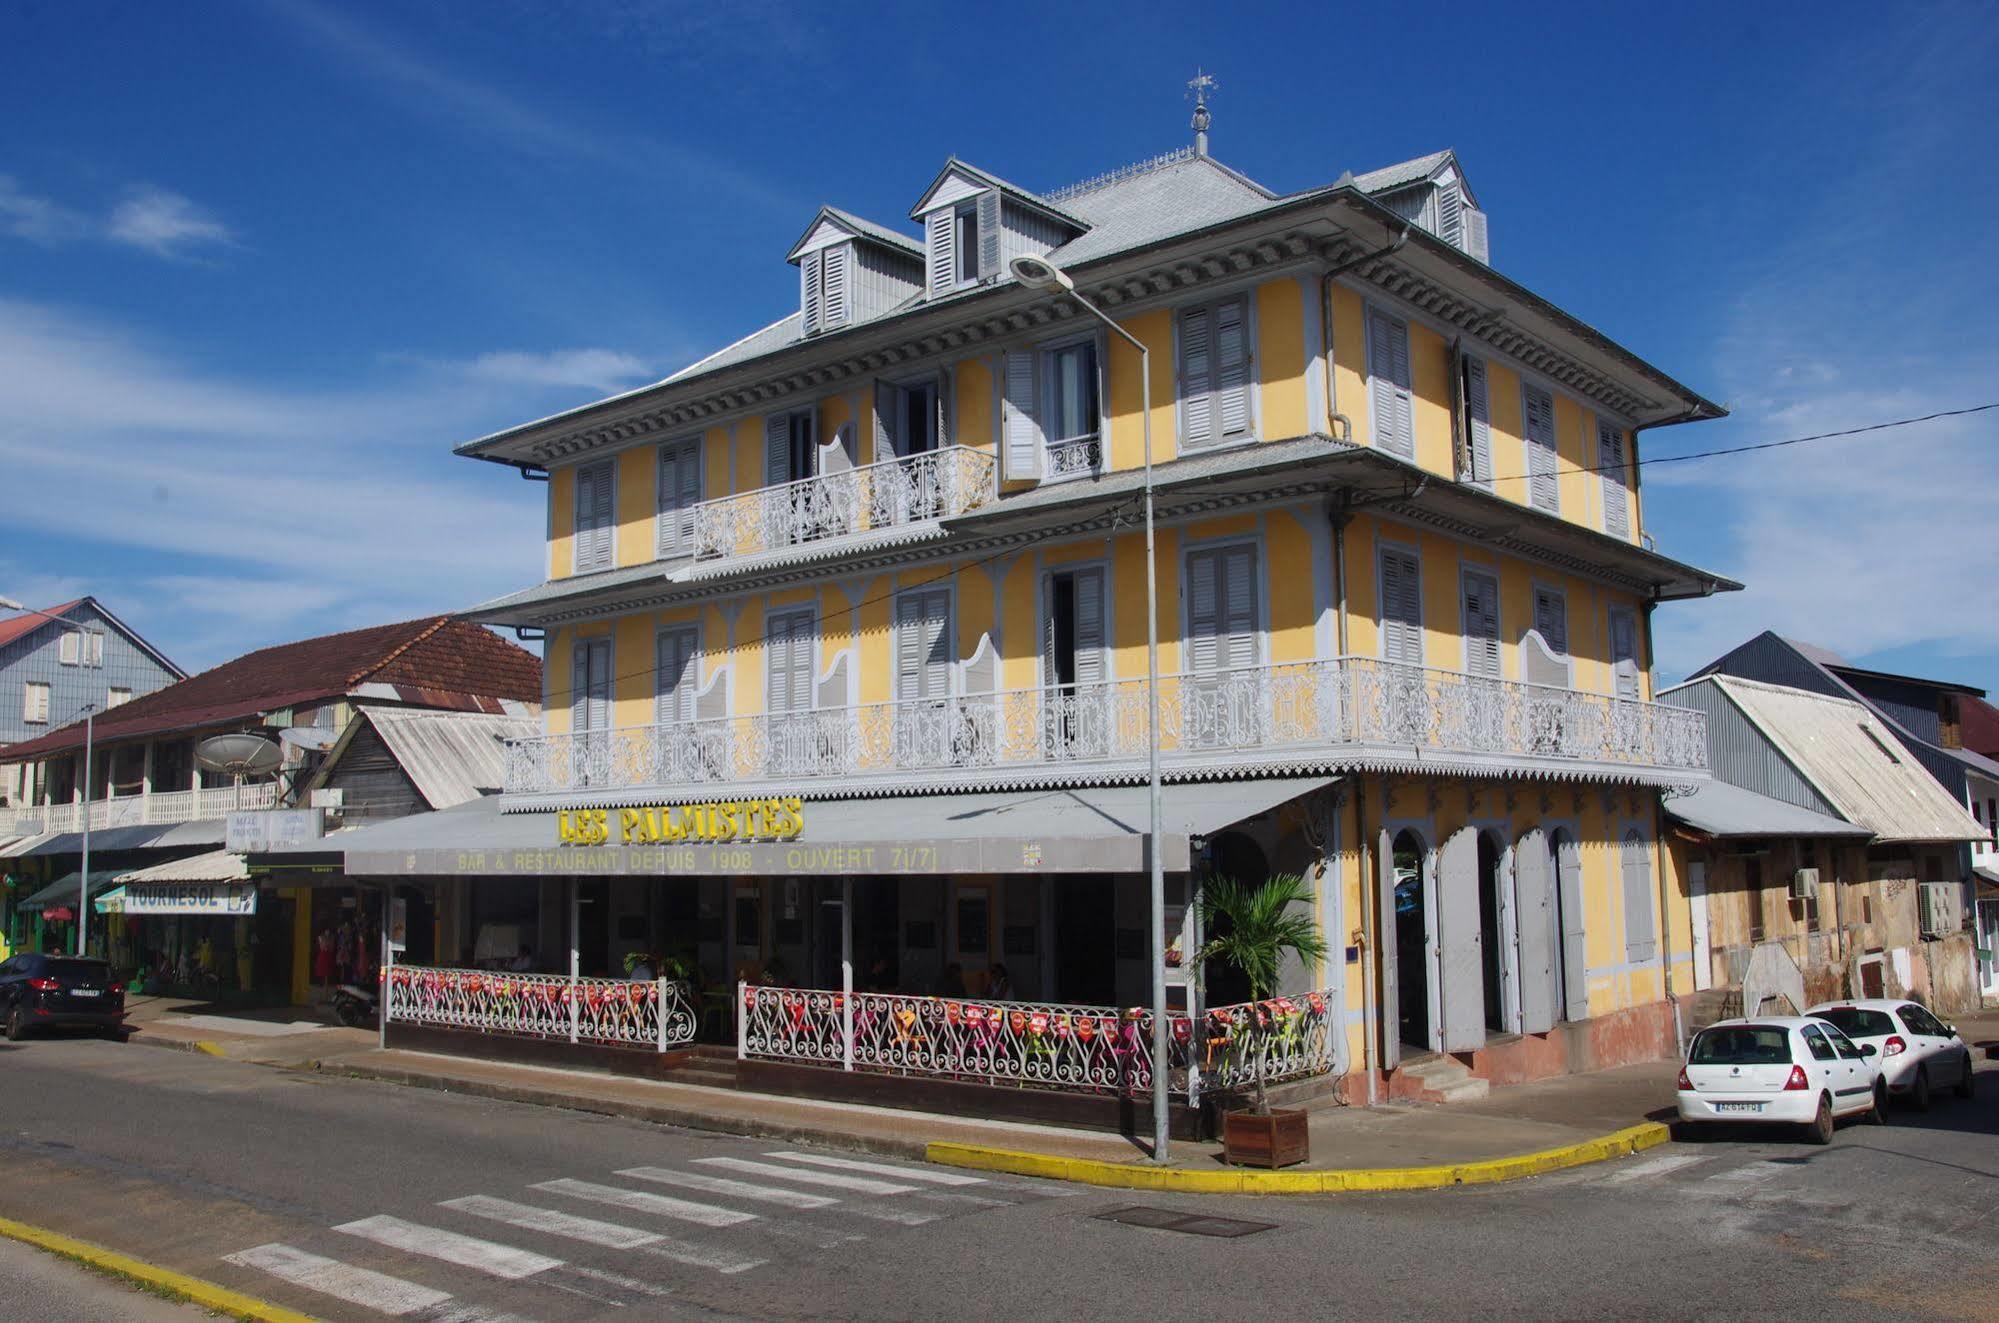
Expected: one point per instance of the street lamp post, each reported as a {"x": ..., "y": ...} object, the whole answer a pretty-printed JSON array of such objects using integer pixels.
[
  {"x": 89, "y": 737},
  {"x": 1040, "y": 274}
]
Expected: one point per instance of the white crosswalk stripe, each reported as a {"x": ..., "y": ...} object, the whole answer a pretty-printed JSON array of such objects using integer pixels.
[
  {"x": 465, "y": 1251},
  {"x": 554, "y": 1223},
  {"x": 859, "y": 1184},
  {"x": 357, "y": 1286},
  {"x": 1651, "y": 1167},
  {"x": 464, "y": 1313},
  {"x": 689, "y": 1180},
  {"x": 641, "y": 1201},
  {"x": 923, "y": 1174}
]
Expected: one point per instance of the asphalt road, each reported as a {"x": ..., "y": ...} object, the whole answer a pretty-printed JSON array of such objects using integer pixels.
[
  {"x": 356, "y": 1200},
  {"x": 46, "y": 1288}
]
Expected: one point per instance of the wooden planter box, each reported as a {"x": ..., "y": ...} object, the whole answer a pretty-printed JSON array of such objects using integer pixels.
[{"x": 1281, "y": 1139}]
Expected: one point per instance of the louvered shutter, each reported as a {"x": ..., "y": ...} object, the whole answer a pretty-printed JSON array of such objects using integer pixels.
[
  {"x": 595, "y": 489},
  {"x": 1478, "y": 412},
  {"x": 1388, "y": 395},
  {"x": 1388, "y": 967},
  {"x": 1481, "y": 625},
  {"x": 1197, "y": 378},
  {"x": 1232, "y": 369},
  {"x": 1534, "y": 932},
  {"x": 809, "y": 295},
  {"x": 989, "y": 234},
  {"x": 1024, "y": 447},
  {"x": 1460, "y": 944},
  {"x": 777, "y": 450},
  {"x": 1401, "y": 607},
  {"x": 1203, "y": 611},
  {"x": 943, "y": 408},
  {"x": 922, "y": 657},
  {"x": 1624, "y": 653},
  {"x": 1238, "y": 608},
  {"x": 1610, "y": 459},
  {"x": 679, "y": 493},
  {"x": 834, "y": 287},
  {"x": 1551, "y": 619},
  {"x": 1475, "y": 241},
  {"x": 1575, "y": 932},
  {"x": 943, "y": 265},
  {"x": 579, "y": 685},
  {"x": 590, "y": 681},
  {"x": 1639, "y": 943},
  {"x": 789, "y": 645},
  {"x": 677, "y": 676},
  {"x": 1543, "y": 491},
  {"x": 1089, "y": 626},
  {"x": 1450, "y": 215},
  {"x": 887, "y": 398}
]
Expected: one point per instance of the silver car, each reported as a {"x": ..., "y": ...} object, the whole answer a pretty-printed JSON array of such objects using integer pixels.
[{"x": 1919, "y": 1054}]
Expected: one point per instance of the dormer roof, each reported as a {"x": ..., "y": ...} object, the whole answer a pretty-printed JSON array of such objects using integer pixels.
[
  {"x": 1419, "y": 170},
  {"x": 832, "y": 224},
  {"x": 959, "y": 179}
]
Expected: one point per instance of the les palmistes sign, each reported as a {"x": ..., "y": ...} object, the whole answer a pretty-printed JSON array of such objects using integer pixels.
[{"x": 731, "y": 820}]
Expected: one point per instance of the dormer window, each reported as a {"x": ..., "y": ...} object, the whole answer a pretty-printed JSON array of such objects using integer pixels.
[
  {"x": 967, "y": 242},
  {"x": 825, "y": 287},
  {"x": 851, "y": 270},
  {"x": 974, "y": 223},
  {"x": 964, "y": 242}
]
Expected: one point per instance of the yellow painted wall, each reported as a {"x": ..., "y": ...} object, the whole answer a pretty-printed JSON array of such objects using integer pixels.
[
  {"x": 716, "y": 478},
  {"x": 972, "y": 387},
  {"x": 1350, "y": 363},
  {"x": 1020, "y": 647},
  {"x": 556, "y": 652},
  {"x": 1280, "y": 367},
  {"x": 638, "y": 505},
  {"x": 1291, "y": 576},
  {"x": 1430, "y": 375},
  {"x": 634, "y": 683},
  {"x": 1127, "y": 428},
  {"x": 562, "y": 522}
]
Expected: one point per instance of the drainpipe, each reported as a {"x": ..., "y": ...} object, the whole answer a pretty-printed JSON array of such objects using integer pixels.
[
  {"x": 1339, "y": 517},
  {"x": 1338, "y": 425}
]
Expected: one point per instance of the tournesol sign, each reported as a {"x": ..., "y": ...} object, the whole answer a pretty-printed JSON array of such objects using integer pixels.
[{"x": 730, "y": 820}]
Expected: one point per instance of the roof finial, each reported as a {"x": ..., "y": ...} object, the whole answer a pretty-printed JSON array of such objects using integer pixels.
[{"x": 1198, "y": 87}]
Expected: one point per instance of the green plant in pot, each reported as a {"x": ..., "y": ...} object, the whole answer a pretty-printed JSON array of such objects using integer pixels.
[{"x": 1256, "y": 926}]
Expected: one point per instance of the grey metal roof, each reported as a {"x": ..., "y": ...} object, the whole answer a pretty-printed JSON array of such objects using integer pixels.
[
  {"x": 214, "y": 866},
  {"x": 1402, "y": 173},
  {"x": 785, "y": 330},
  {"x": 1159, "y": 205},
  {"x": 580, "y": 585},
  {"x": 1721, "y": 809},
  {"x": 1026, "y": 195},
  {"x": 63, "y": 890},
  {"x": 1976, "y": 762},
  {"x": 451, "y": 757},
  {"x": 203, "y": 831},
  {"x": 1855, "y": 761},
  {"x": 862, "y": 226}
]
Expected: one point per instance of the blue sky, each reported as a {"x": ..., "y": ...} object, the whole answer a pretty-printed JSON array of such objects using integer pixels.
[{"x": 263, "y": 264}]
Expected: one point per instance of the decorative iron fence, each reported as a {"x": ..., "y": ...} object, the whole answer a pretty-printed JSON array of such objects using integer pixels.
[
  {"x": 1280, "y": 714},
  {"x": 659, "y": 1014},
  {"x": 935, "y": 484},
  {"x": 1284, "y": 1038}
]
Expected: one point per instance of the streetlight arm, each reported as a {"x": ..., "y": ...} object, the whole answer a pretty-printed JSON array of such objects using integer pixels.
[{"x": 1105, "y": 318}]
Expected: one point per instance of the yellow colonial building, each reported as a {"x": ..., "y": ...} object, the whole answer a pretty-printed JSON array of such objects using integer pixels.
[{"x": 877, "y": 572}]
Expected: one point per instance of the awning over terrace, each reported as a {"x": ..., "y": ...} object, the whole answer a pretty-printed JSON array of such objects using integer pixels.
[{"x": 1086, "y": 830}]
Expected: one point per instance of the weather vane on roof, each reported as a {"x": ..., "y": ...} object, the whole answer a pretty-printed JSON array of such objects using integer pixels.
[{"x": 1198, "y": 88}]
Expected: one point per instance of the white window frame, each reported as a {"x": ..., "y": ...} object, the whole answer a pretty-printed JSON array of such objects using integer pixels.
[
  {"x": 965, "y": 207},
  {"x": 667, "y": 537},
  {"x": 93, "y": 647},
  {"x": 69, "y": 647},
  {"x": 33, "y": 714},
  {"x": 116, "y": 696},
  {"x": 1046, "y": 355}
]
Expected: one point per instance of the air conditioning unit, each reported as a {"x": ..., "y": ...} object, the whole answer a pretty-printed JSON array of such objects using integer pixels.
[
  {"x": 1938, "y": 905},
  {"x": 1805, "y": 884}
]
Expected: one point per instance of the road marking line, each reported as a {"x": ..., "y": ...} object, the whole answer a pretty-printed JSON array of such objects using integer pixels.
[
  {"x": 860, "y": 1184},
  {"x": 881, "y": 1169},
  {"x": 895, "y": 1215},
  {"x": 357, "y": 1286},
  {"x": 953, "y": 1197},
  {"x": 707, "y": 1215},
  {"x": 465, "y": 1251},
  {"x": 616, "y": 1279},
  {"x": 1655, "y": 1167},
  {"x": 461, "y": 1313},
  {"x": 701, "y": 1256},
  {"x": 722, "y": 1185},
  {"x": 548, "y": 1220}
]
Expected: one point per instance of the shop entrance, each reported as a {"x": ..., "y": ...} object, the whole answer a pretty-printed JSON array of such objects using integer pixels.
[
  {"x": 1412, "y": 941},
  {"x": 1086, "y": 920},
  {"x": 593, "y": 927}
]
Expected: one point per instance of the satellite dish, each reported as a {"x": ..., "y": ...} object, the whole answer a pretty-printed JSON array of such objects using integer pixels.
[
  {"x": 309, "y": 737},
  {"x": 239, "y": 755}
]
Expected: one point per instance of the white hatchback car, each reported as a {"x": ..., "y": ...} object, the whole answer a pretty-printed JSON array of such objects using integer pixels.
[
  {"x": 1782, "y": 1069},
  {"x": 1919, "y": 1054}
]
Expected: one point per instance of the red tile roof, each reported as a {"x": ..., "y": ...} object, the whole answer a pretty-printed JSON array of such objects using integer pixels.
[
  {"x": 433, "y": 662},
  {"x": 1980, "y": 726},
  {"x": 29, "y": 623}
]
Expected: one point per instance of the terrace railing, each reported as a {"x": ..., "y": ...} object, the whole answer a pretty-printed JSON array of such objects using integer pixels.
[
  {"x": 658, "y": 1014},
  {"x": 894, "y": 493},
  {"x": 160, "y": 807}
]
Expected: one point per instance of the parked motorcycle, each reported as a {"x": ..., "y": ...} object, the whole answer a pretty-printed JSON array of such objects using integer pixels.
[{"x": 356, "y": 1006}]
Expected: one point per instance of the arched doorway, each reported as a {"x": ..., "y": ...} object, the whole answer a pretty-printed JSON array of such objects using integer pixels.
[
  {"x": 1491, "y": 920},
  {"x": 1565, "y": 915},
  {"x": 1411, "y": 862},
  {"x": 1232, "y": 855}
]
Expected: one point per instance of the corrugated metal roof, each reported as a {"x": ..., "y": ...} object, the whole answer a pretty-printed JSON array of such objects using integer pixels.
[
  {"x": 1855, "y": 761},
  {"x": 451, "y": 757},
  {"x": 214, "y": 866},
  {"x": 1721, "y": 809}
]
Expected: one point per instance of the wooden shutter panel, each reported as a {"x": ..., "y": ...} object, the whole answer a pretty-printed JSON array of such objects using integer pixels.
[
  {"x": 1475, "y": 241},
  {"x": 1238, "y": 608},
  {"x": 922, "y": 660},
  {"x": 1197, "y": 378},
  {"x": 679, "y": 493},
  {"x": 1481, "y": 625},
  {"x": 1534, "y": 931},
  {"x": 677, "y": 678},
  {"x": 1575, "y": 933},
  {"x": 942, "y": 229},
  {"x": 1388, "y": 396},
  {"x": 1543, "y": 490},
  {"x": 1461, "y": 944},
  {"x": 887, "y": 401},
  {"x": 1089, "y": 596},
  {"x": 789, "y": 647},
  {"x": 579, "y": 684},
  {"x": 1450, "y": 215},
  {"x": 989, "y": 234},
  {"x": 1551, "y": 619},
  {"x": 1203, "y": 610},
  {"x": 1639, "y": 943},
  {"x": 1024, "y": 443},
  {"x": 1610, "y": 459},
  {"x": 1401, "y": 608},
  {"x": 834, "y": 287},
  {"x": 777, "y": 450},
  {"x": 808, "y": 275},
  {"x": 1624, "y": 653},
  {"x": 1389, "y": 965},
  {"x": 1478, "y": 412},
  {"x": 943, "y": 408},
  {"x": 1231, "y": 325}
]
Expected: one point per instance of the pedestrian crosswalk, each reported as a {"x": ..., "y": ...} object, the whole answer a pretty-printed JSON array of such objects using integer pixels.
[{"x": 617, "y": 1238}]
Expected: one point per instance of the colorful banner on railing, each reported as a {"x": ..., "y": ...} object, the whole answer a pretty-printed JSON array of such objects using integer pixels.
[{"x": 657, "y": 1013}]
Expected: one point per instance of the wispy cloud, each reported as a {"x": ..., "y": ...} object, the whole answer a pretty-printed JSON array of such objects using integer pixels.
[
  {"x": 24, "y": 215},
  {"x": 595, "y": 369},
  {"x": 166, "y": 224}
]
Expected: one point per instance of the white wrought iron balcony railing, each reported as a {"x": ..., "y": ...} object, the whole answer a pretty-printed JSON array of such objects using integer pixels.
[
  {"x": 1296, "y": 715},
  {"x": 873, "y": 498},
  {"x": 161, "y": 807}
]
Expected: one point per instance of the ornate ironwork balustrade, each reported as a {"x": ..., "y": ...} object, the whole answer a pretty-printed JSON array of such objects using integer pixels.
[
  {"x": 657, "y": 1014},
  {"x": 894, "y": 493}
]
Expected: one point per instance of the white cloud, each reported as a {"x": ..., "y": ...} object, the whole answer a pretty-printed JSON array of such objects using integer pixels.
[
  {"x": 23, "y": 215},
  {"x": 166, "y": 224},
  {"x": 604, "y": 370}
]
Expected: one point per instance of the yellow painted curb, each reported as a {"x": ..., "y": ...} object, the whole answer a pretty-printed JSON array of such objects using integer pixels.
[
  {"x": 206, "y": 1294},
  {"x": 212, "y": 1049},
  {"x": 1136, "y": 1176}
]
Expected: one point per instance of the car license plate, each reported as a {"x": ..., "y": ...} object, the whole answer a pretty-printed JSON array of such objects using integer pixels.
[
  {"x": 1738, "y": 1107},
  {"x": 83, "y": 992}
]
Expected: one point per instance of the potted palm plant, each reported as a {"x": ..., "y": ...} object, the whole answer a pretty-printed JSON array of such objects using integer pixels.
[{"x": 1255, "y": 927}]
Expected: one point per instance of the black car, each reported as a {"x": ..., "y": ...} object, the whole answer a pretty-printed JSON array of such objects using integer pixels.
[{"x": 49, "y": 991}]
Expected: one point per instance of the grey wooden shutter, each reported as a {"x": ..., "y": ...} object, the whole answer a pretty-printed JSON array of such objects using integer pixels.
[
  {"x": 1478, "y": 421},
  {"x": 1624, "y": 652},
  {"x": 888, "y": 415},
  {"x": 1089, "y": 596},
  {"x": 1461, "y": 944},
  {"x": 590, "y": 681},
  {"x": 922, "y": 651},
  {"x": 1639, "y": 941},
  {"x": 1388, "y": 980},
  {"x": 1024, "y": 446},
  {"x": 1197, "y": 378},
  {"x": 835, "y": 287},
  {"x": 677, "y": 677},
  {"x": 942, "y": 230},
  {"x": 943, "y": 403},
  {"x": 1543, "y": 489},
  {"x": 596, "y": 488},
  {"x": 1203, "y": 610},
  {"x": 1551, "y": 619},
  {"x": 788, "y": 649},
  {"x": 1238, "y": 608},
  {"x": 1232, "y": 414},
  {"x": 1450, "y": 215},
  {"x": 1575, "y": 932},
  {"x": 1610, "y": 460},
  {"x": 1401, "y": 607},
  {"x": 1476, "y": 242},
  {"x": 1388, "y": 383},
  {"x": 777, "y": 450},
  {"x": 809, "y": 298},
  {"x": 679, "y": 493},
  {"x": 1481, "y": 592},
  {"x": 579, "y": 684},
  {"x": 1534, "y": 927},
  {"x": 989, "y": 234}
]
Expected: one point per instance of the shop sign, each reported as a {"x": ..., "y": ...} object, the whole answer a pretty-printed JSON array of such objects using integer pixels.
[
  {"x": 222, "y": 899},
  {"x": 261, "y": 831},
  {"x": 731, "y": 820}
]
